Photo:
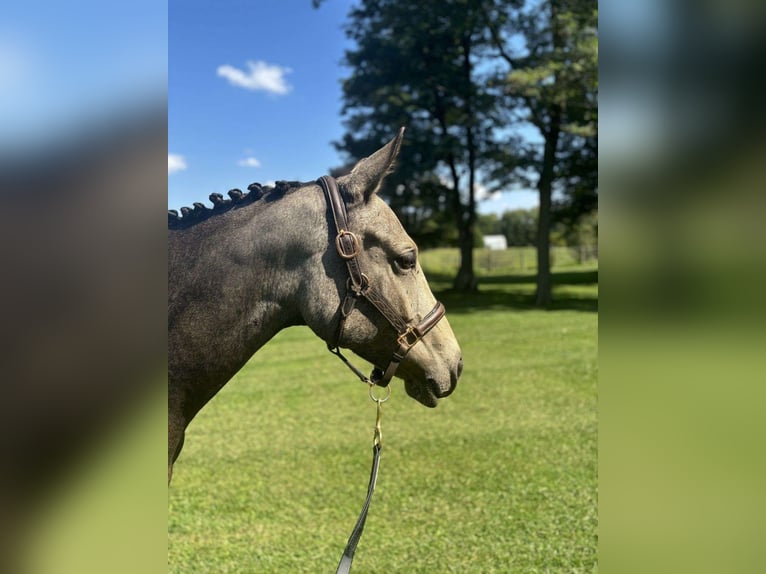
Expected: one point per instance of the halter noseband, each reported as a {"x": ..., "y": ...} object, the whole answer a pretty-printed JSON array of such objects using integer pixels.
[{"x": 358, "y": 285}]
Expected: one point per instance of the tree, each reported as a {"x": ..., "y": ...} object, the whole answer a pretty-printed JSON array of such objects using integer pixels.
[
  {"x": 551, "y": 51},
  {"x": 461, "y": 74},
  {"x": 416, "y": 64}
]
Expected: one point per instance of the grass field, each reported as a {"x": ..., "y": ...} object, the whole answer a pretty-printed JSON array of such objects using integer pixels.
[{"x": 501, "y": 477}]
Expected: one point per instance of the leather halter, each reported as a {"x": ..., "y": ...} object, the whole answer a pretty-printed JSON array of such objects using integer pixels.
[{"x": 359, "y": 286}]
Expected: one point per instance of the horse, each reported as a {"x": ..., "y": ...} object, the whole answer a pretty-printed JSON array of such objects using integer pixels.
[{"x": 329, "y": 255}]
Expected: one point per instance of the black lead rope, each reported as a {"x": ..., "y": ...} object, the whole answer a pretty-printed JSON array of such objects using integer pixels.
[
  {"x": 344, "y": 566},
  {"x": 348, "y": 554}
]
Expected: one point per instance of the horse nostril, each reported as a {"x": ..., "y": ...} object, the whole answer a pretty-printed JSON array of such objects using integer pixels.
[{"x": 459, "y": 366}]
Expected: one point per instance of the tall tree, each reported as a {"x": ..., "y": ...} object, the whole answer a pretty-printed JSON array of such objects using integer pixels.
[
  {"x": 551, "y": 50},
  {"x": 416, "y": 64}
]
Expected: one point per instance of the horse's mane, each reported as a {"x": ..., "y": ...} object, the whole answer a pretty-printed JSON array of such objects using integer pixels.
[{"x": 200, "y": 212}]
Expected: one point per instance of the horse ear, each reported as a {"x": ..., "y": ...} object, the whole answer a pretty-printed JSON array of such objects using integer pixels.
[{"x": 367, "y": 175}]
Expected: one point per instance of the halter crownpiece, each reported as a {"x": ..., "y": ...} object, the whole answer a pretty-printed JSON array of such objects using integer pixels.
[{"x": 359, "y": 286}]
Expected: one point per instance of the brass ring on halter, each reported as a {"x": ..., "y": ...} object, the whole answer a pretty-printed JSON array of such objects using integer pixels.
[{"x": 378, "y": 399}]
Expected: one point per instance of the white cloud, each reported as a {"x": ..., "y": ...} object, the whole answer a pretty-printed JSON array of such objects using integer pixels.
[
  {"x": 249, "y": 162},
  {"x": 259, "y": 76},
  {"x": 176, "y": 163}
]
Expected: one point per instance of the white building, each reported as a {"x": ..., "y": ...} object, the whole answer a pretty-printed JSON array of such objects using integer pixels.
[{"x": 495, "y": 242}]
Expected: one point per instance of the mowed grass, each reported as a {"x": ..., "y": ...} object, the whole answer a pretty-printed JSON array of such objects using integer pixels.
[{"x": 501, "y": 477}]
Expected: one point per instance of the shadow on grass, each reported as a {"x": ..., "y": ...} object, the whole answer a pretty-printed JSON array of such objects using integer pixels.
[
  {"x": 517, "y": 292},
  {"x": 589, "y": 277}
]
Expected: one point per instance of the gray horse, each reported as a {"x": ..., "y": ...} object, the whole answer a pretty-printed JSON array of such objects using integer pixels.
[{"x": 250, "y": 266}]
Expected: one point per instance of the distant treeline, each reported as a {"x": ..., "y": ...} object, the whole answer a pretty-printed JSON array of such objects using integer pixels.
[{"x": 519, "y": 226}]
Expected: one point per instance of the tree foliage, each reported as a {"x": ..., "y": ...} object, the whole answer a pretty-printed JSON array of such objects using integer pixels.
[
  {"x": 550, "y": 48},
  {"x": 418, "y": 64},
  {"x": 466, "y": 77}
]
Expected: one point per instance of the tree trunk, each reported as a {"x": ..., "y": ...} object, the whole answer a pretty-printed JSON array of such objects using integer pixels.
[
  {"x": 545, "y": 188},
  {"x": 466, "y": 279},
  {"x": 543, "y": 293}
]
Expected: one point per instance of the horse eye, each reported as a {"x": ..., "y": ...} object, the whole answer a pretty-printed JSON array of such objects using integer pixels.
[{"x": 407, "y": 261}]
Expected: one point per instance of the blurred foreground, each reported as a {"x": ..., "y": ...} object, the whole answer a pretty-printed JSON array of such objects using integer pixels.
[
  {"x": 83, "y": 306},
  {"x": 83, "y": 140},
  {"x": 682, "y": 250}
]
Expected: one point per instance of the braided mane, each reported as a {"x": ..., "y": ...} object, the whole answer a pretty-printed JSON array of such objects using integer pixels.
[{"x": 200, "y": 212}]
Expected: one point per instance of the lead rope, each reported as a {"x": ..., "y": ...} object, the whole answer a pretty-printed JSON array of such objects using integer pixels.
[{"x": 344, "y": 566}]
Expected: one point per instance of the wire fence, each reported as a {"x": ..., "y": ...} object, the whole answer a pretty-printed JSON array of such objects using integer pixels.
[{"x": 512, "y": 259}]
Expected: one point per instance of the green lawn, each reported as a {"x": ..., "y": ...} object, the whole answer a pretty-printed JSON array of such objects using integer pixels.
[{"x": 501, "y": 477}]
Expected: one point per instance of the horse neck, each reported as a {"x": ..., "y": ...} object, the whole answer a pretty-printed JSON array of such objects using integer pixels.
[{"x": 235, "y": 280}]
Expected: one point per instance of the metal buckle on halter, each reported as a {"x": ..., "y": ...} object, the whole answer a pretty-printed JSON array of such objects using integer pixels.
[
  {"x": 404, "y": 338},
  {"x": 341, "y": 248}
]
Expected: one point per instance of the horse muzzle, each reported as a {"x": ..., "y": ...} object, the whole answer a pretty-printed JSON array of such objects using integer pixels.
[{"x": 428, "y": 392}]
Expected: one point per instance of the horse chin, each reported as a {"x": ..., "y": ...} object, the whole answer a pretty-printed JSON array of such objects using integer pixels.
[{"x": 425, "y": 394}]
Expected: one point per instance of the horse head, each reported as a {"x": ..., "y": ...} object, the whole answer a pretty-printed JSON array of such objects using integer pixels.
[{"x": 371, "y": 318}]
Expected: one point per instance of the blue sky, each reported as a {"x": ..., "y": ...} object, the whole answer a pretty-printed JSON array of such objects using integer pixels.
[
  {"x": 254, "y": 95},
  {"x": 253, "y": 86}
]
